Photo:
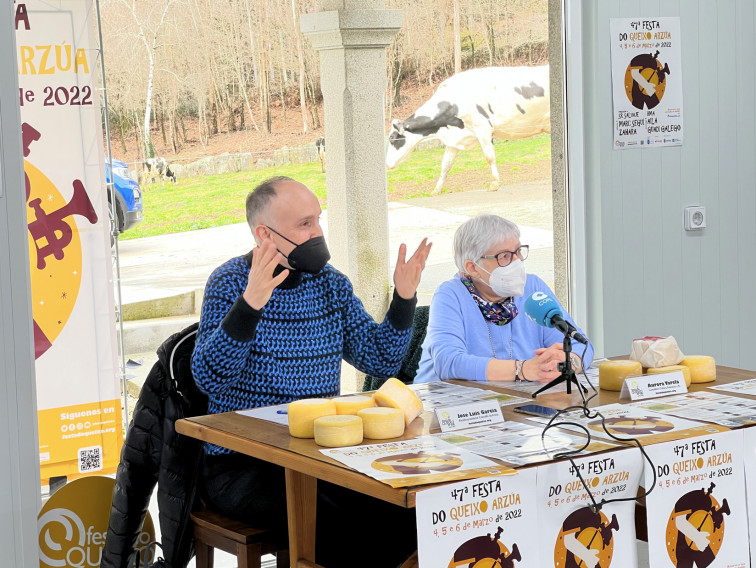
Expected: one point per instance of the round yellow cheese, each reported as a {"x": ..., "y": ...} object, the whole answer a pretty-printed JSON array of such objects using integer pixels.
[
  {"x": 381, "y": 423},
  {"x": 395, "y": 394},
  {"x": 302, "y": 415},
  {"x": 353, "y": 404},
  {"x": 671, "y": 369},
  {"x": 338, "y": 431},
  {"x": 613, "y": 373},
  {"x": 702, "y": 368}
]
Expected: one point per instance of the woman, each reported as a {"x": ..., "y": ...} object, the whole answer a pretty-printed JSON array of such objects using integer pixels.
[{"x": 478, "y": 329}]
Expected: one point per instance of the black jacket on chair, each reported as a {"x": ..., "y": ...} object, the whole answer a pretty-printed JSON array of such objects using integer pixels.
[{"x": 154, "y": 453}]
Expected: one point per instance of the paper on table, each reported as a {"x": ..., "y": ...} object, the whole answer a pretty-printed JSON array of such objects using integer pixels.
[{"x": 275, "y": 413}]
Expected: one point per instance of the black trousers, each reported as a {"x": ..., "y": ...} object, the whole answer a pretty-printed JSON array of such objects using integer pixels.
[{"x": 352, "y": 529}]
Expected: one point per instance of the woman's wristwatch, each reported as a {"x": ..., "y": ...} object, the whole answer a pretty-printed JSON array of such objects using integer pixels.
[{"x": 518, "y": 371}]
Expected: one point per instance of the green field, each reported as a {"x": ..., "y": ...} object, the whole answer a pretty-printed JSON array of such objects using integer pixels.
[{"x": 212, "y": 201}]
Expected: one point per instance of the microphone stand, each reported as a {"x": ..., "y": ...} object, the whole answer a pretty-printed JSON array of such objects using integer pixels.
[{"x": 568, "y": 373}]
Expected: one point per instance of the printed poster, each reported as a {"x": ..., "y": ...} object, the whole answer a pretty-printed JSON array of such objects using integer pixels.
[
  {"x": 419, "y": 461},
  {"x": 749, "y": 458},
  {"x": 78, "y": 393},
  {"x": 696, "y": 514},
  {"x": 646, "y": 82},
  {"x": 571, "y": 533},
  {"x": 481, "y": 522}
]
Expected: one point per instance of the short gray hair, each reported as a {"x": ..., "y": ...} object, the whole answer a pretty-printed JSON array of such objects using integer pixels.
[
  {"x": 259, "y": 199},
  {"x": 475, "y": 236}
]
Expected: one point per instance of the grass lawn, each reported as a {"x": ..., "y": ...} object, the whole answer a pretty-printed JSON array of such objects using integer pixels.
[{"x": 212, "y": 201}]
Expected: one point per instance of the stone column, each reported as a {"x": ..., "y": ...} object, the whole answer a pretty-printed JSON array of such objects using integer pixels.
[{"x": 351, "y": 36}]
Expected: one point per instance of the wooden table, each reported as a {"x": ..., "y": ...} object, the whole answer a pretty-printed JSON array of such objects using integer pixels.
[{"x": 304, "y": 464}]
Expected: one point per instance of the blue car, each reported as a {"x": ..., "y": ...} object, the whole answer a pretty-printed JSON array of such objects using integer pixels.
[{"x": 128, "y": 195}]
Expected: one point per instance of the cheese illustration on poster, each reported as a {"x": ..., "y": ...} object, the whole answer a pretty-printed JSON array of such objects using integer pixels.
[
  {"x": 577, "y": 534},
  {"x": 417, "y": 463},
  {"x": 481, "y": 523},
  {"x": 696, "y": 513},
  {"x": 632, "y": 425}
]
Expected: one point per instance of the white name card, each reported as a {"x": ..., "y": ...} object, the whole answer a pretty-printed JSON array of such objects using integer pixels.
[
  {"x": 469, "y": 415},
  {"x": 652, "y": 386}
]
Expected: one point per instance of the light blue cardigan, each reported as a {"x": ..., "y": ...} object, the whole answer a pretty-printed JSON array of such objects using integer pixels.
[{"x": 457, "y": 345}]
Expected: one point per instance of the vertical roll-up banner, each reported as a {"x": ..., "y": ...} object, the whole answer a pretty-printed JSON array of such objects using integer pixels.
[{"x": 78, "y": 394}]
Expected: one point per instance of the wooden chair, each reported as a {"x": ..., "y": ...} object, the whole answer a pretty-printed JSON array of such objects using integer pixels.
[{"x": 248, "y": 544}]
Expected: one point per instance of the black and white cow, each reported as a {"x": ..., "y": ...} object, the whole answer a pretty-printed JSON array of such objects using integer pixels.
[
  {"x": 473, "y": 107},
  {"x": 157, "y": 168}
]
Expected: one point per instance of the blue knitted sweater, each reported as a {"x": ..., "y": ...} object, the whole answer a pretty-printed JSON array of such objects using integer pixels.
[{"x": 292, "y": 348}]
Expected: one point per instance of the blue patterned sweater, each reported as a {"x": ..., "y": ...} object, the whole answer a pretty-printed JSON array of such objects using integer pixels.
[{"x": 292, "y": 348}]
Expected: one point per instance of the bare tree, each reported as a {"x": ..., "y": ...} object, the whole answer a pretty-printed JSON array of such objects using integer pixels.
[{"x": 300, "y": 59}]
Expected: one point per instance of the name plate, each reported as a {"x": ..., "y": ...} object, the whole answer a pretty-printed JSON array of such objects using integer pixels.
[
  {"x": 469, "y": 415},
  {"x": 652, "y": 386}
]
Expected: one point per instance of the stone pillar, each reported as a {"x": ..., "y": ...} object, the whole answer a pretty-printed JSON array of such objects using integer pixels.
[{"x": 351, "y": 36}]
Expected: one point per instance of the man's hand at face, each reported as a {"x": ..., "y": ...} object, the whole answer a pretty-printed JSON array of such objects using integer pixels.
[
  {"x": 407, "y": 274},
  {"x": 261, "y": 281}
]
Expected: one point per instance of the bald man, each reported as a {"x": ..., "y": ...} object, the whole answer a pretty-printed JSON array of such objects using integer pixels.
[{"x": 275, "y": 326}]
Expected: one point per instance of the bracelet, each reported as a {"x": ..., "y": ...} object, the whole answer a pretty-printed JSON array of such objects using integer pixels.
[
  {"x": 575, "y": 361},
  {"x": 518, "y": 370}
]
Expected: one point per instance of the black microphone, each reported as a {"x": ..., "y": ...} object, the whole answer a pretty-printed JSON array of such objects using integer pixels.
[{"x": 544, "y": 310}]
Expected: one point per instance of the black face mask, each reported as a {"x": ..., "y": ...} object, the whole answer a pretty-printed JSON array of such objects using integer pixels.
[{"x": 311, "y": 256}]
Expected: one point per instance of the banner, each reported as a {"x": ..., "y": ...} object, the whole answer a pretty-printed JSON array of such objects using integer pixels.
[
  {"x": 696, "y": 514},
  {"x": 749, "y": 446},
  {"x": 646, "y": 82},
  {"x": 78, "y": 392},
  {"x": 571, "y": 533},
  {"x": 483, "y": 522}
]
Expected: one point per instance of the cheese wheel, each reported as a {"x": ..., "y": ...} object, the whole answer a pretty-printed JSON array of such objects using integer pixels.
[
  {"x": 702, "y": 368},
  {"x": 613, "y": 373},
  {"x": 395, "y": 394},
  {"x": 353, "y": 404},
  {"x": 302, "y": 414},
  {"x": 671, "y": 369},
  {"x": 338, "y": 431},
  {"x": 381, "y": 423}
]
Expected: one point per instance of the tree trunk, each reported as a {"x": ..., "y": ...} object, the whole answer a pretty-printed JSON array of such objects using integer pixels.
[
  {"x": 457, "y": 39},
  {"x": 300, "y": 59}
]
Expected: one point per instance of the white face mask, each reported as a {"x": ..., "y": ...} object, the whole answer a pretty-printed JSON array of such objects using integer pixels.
[{"x": 506, "y": 281}]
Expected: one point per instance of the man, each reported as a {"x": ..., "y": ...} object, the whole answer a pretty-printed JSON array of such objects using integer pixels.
[{"x": 275, "y": 326}]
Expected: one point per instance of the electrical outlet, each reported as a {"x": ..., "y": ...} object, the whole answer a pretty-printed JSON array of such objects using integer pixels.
[{"x": 695, "y": 218}]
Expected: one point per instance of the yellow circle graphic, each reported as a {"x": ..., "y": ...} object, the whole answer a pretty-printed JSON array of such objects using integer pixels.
[
  {"x": 585, "y": 539},
  {"x": 632, "y": 425},
  {"x": 418, "y": 463},
  {"x": 645, "y": 80},
  {"x": 695, "y": 528},
  {"x": 74, "y": 522},
  {"x": 485, "y": 552}
]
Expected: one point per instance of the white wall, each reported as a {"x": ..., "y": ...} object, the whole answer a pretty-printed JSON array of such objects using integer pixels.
[
  {"x": 19, "y": 448},
  {"x": 645, "y": 275}
]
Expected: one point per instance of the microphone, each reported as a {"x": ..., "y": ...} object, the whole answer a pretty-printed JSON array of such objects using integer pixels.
[{"x": 544, "y": 310}]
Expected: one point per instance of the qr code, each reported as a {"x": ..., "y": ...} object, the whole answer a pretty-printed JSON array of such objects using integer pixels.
[{"x": 90, "y": 459}]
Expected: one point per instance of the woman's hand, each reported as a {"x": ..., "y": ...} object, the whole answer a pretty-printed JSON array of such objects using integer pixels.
[{"x": 545, "y": 365}]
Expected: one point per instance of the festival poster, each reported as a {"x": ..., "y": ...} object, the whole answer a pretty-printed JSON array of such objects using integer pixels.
[
  {"x": 572, "y": 534},
  {"x": 481, "y": 522},
  {"x": 646, "y": 82},
  {"x": 696, "y": 513},
  {"x": 78, "y": 393},
  {"x": 749, "y": 459}
]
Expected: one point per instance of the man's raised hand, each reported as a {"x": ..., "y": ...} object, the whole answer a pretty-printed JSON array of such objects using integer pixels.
[
  {"x": 407, "y": 274},
  {"x": 261, "y": 282}
]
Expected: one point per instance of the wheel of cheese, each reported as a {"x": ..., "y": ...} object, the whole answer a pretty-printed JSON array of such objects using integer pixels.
[
  {"x": 671, "y": 369},
  {"x": 395, "y": 394},
  {"x": 338, "y": 431},
  {"x": 702, "y": 368},
  {"x": 302, "y": 415},
  {"x": 613, "y": 373},
  {"x": 353, "y": 404},
  {"x": 381, "y": 422}
]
